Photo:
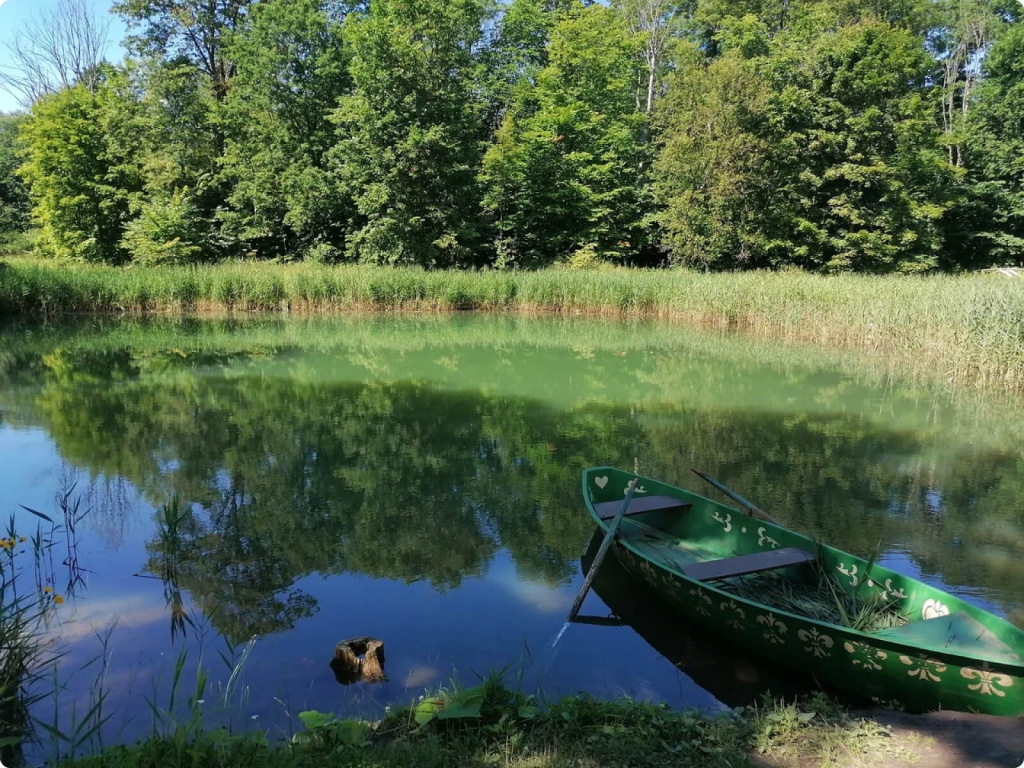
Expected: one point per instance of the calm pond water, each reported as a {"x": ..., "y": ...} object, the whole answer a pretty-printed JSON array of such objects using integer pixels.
[{"x": 416, "y": 478}]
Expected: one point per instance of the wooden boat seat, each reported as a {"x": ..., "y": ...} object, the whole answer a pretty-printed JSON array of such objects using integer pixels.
[
  {"x": 607, "y": 510},
  {"x": 957, "y": 632},
  {"x": 742, "y": 565}
]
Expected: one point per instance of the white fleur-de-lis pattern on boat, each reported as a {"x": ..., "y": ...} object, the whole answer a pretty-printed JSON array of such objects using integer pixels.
[
  {"x": 988, "y": 682},
  {"x": 775, "y": 630},
  {"x": 701, "y": 601},
  {"x": 891, "y": 590},
  {"x": 763, "y": 538},
  {"x": 850, "y": 572},
  {"x": 734, "y": 614},
  {"x": 864, "y": 656},
  {"x": 648, "y": 573},
  {"x": 725, "y": 521},
  {"x": 639, "y": 488},
  {"x": 673, "y": 586},
  {"x": 888, "y": 589},
  {"x": 924, "y": 669},
  {"x": 933, "y": 609},
  {"x": 817, "y": 643}
]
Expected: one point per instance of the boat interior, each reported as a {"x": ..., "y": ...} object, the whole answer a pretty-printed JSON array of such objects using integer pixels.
[{"x": 696, "y": 561}]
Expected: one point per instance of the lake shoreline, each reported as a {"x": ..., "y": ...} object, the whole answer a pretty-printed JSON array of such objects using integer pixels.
[
  {"x": 967, "y": 329},
  {"x": 494, "y": 725}
]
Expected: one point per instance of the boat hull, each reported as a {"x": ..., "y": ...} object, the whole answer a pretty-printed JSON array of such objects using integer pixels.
[{"x": 917, "y": 684}]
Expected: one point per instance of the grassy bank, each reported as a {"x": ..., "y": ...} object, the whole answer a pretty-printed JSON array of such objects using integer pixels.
[
  {"x": 967, "y": 329},
  {"x": 491, "y": 725}
]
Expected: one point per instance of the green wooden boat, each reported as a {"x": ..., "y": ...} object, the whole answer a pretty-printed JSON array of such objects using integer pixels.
[{"x": 696, "y": 553}]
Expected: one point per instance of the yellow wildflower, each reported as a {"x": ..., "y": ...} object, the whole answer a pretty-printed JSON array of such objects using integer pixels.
[
  {"x": 22, "y": 539},
  {"x": 58, "y": 599},
  {"x": 48, "y": 590}
]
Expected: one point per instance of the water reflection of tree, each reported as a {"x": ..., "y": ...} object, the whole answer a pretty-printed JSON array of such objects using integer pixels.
[
  {"x": 391, "y": 481},
  {"x": 286, "y": 476}
]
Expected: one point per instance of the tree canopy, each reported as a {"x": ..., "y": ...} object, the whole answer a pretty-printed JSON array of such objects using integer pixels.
[
  {"x": 566, "y": 175},
  {"x": 830, "y": 135},
  {"x": 14, "y": 204}
]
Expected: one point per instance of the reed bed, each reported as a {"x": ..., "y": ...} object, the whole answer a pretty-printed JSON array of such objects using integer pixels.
[
  {"x": 30, "y": 597},
  {"x": 967, "y": 329}
]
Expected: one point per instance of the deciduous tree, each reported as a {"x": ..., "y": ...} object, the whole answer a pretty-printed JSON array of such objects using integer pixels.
[
  {"x": 81, "y": 168},
  {"x": 14, "y": 202},
  {"x": 409, "y": 133},
  {"x": 197, "y": 30},
  {"x": 54, "y": 49},
  {"x": 293, "y": 67},
  {"x": 515, "y": 56},
  {"x": 993, "y": 217},
  {"x": 568, "y": 177},
  {"x": 822, "y": 152},
  {"x": 653, "y": 22}
]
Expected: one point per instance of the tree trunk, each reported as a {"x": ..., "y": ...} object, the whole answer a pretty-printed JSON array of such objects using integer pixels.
[{"x": 359, "y": 659}]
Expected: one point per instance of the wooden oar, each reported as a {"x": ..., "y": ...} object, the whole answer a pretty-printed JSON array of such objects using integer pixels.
[
  {"x": 613, "y": 528},
  {"x": 752, "y": 510}
]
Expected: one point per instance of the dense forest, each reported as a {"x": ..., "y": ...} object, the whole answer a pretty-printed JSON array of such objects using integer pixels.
[{"x": 830, "y": 135}]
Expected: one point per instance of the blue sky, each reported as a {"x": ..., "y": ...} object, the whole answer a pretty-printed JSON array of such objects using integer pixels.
[{"x": 14, "y": 12}]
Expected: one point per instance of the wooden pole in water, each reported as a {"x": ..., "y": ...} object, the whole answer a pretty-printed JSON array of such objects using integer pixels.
[
  {"x": 752, "y": 510},
  {"x": 613, "y": 528}
]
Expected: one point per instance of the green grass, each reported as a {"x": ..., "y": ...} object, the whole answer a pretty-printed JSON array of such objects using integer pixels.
[
  {"x": 494, "y": 725},
  {"x": 965, "y": 329}
]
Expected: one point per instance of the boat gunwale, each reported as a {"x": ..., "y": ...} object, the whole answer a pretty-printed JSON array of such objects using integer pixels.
[{"x": 940, "y": 654}]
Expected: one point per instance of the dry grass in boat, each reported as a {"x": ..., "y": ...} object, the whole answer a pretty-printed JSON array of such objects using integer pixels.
[{"x": 821, "y": 599}]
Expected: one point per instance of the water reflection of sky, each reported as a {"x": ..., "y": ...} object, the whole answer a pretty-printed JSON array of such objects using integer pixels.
[
  {"x": 27, "y": 465},
  {"x": 902, "y": 561},
  {"x": 501, "y": 617}
]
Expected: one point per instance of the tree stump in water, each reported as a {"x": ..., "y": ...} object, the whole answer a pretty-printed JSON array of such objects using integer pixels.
[{"x": 361, "y": 658}]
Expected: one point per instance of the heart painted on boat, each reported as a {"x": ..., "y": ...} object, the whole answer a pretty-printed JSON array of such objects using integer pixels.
[{"x": 601, "y": 482}]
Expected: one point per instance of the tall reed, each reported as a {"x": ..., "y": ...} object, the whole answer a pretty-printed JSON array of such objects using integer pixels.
[
  {"x": 967, "y": 328},
  {"x": 28, "y": 599}
]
